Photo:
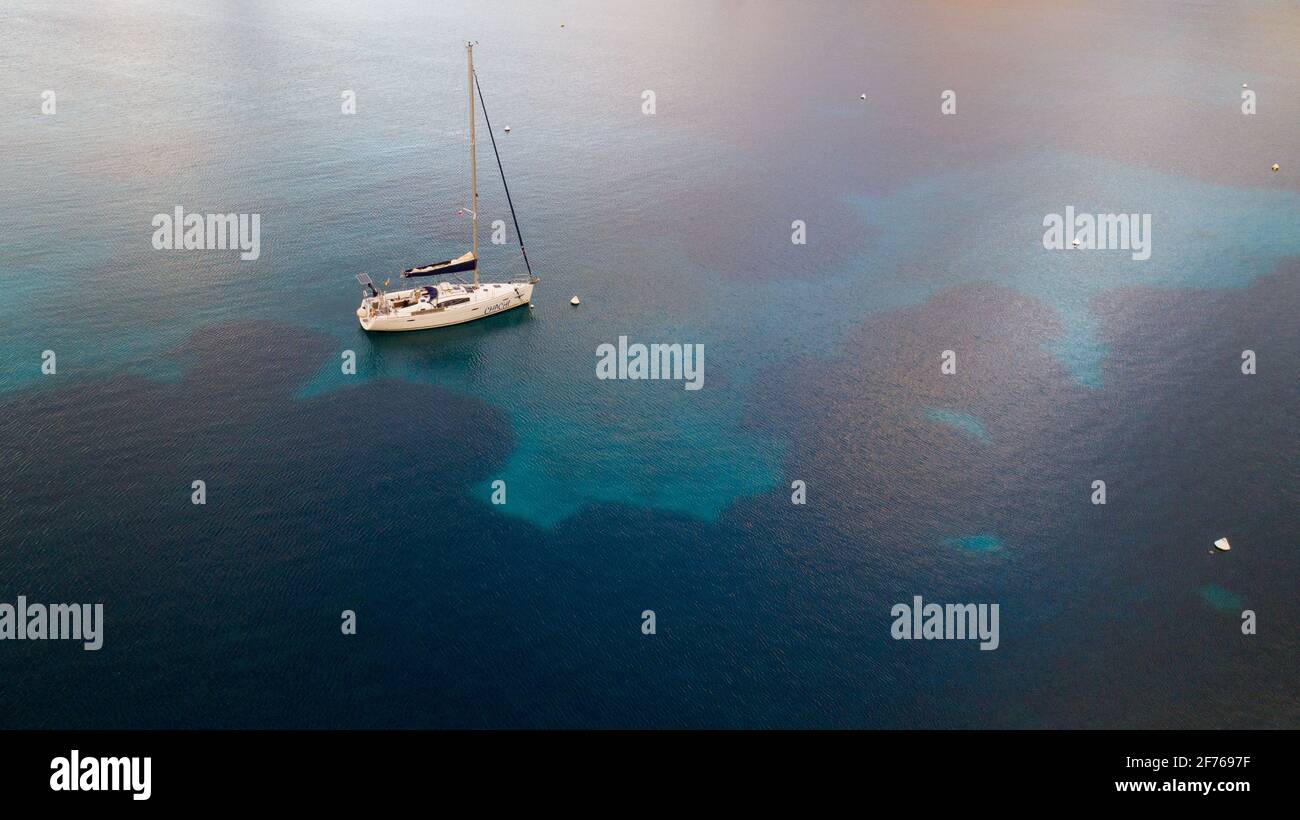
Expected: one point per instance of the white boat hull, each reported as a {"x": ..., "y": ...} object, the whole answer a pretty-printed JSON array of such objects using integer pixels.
[{"x": 416, "y": 309}]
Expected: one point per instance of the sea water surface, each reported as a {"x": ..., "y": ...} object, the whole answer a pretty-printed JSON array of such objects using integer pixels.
[{"x": 371, "y": 492}]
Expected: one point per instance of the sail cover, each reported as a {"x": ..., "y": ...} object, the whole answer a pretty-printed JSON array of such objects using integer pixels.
[{"x": 457, "y": 265}]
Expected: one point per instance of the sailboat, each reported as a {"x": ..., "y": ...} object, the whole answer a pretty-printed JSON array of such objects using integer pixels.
[{"x": 451, "y": 301}]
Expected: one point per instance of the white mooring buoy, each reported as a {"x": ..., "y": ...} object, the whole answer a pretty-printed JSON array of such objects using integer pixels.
[
  {"x": 507, "y": 129},
  {"x": 862, "y": 96},
  {"x": 1222, "y": 545},
  {"x": 574, "y": 300}
]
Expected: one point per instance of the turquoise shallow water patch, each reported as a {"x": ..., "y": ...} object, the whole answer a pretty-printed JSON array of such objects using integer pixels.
[
  {"x": 966, "y": 423},
  {"x": 982, "y": 542},
  {"x": 1221, "y": 600},
  {"x": 986, "y": 225}
]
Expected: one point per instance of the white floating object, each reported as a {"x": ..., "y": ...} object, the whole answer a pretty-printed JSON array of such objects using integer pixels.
[
  {"x": 1075, "y": 243},
  {"x": 1222, "y": 545},
  {"x": 1243, "y": 85},
  {"x": 507, "y": 129},
  {"x": 862, "y": 97},
  {"x": 1277, "y": 167},
  {"x": 574, "y": 300}
]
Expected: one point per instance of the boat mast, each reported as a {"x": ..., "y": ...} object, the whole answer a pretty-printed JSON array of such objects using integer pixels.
[{"x": 473, "y": 161}]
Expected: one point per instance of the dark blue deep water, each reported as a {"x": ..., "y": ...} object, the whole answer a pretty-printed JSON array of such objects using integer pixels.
[{"x": 370, "y": 492}]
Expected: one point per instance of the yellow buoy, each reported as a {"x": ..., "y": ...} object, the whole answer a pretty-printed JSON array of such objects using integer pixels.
[
  {"x": 574, "y": 300},
  {"x": 1277, "y": 167}
]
